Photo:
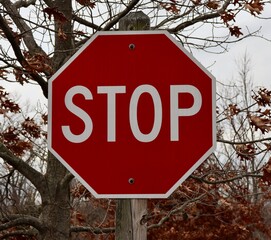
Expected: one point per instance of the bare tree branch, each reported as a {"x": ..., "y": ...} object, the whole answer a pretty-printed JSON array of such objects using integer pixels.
[
  {"x": 202, "y": 179},
  {"x": 121, "y": 15},
  {"x": 22, "y": 220},
  {"x": 77, "y": 229},
  {"x": 200, "y": 18},
  {"x": 35, "y": 177},
  {"x": 24, "y": 3},
  {"x": 43, "y": 84},
  {"x": 86, "y": 23},
  {"x": 67, "y": 179},
  {"x": 244, "y": 142},
  {"x": 22, "y": 26},
  {"x": 179, "y": 209}
]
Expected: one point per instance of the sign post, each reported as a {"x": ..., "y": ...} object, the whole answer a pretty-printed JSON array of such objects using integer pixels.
[{"x": 130, "y": 212}]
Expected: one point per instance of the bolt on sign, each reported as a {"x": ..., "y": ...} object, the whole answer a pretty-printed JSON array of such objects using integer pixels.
[{"x": 132, "y": 114}]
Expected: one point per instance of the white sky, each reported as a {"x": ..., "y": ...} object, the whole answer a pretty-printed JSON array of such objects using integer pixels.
[{"x": 222, "y": 66}]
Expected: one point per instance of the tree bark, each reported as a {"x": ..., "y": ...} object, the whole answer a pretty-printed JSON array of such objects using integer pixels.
[
  {"x": 64, "y": 40},
  {"x": 55, "y": 214}
]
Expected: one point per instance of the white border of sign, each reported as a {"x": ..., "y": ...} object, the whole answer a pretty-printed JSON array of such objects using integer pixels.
[{"x": 188, "y": 173}]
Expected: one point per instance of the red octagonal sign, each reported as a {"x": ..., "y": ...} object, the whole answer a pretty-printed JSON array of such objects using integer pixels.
[{"x": 132, "y": 114}]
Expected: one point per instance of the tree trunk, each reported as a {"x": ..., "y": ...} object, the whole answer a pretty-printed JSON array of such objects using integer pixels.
[{"x": 55, "y": 215}]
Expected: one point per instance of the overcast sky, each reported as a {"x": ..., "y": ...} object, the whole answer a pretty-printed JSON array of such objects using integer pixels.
[{"x": 222, "y": 66}]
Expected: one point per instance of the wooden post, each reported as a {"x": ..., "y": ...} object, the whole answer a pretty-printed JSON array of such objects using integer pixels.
[
  {"x": 129, "y": 219},
  {"x": 134, "y": 21},
  {"x": 130, "y": 212}
]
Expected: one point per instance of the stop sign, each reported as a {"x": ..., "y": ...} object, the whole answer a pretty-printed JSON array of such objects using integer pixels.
[{"x": 132, "y": 114}]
